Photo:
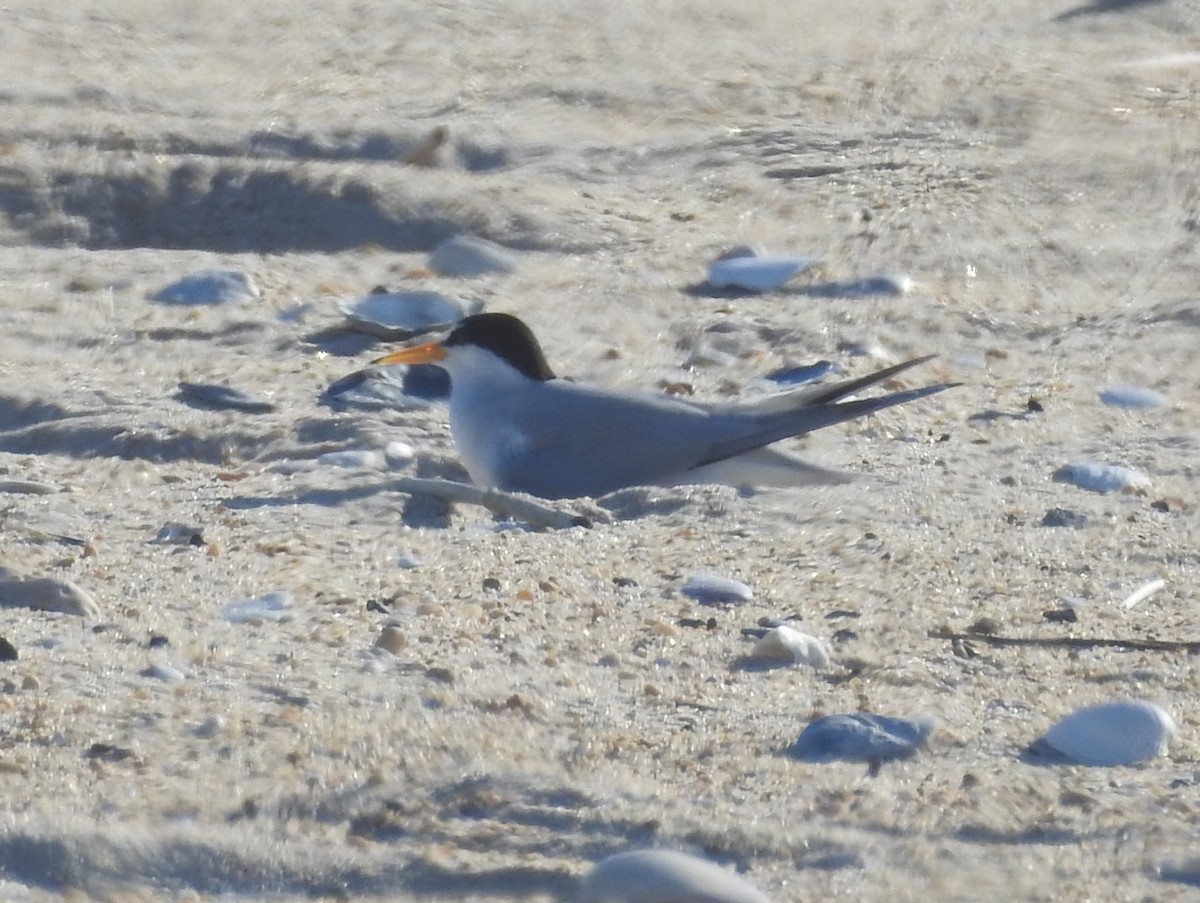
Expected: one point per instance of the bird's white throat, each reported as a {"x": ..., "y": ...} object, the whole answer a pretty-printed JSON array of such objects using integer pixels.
[{"x": 484, "y": 394}]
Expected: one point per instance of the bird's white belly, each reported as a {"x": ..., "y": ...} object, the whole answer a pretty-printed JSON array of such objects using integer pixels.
[{"x": 487, "y": 444}]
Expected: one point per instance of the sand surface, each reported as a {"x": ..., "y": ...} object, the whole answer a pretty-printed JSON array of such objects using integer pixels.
[{"x": 1032, "y": 166}]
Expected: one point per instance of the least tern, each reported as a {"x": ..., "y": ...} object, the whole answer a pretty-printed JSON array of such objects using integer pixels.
[{"x": 519, "y": 428}]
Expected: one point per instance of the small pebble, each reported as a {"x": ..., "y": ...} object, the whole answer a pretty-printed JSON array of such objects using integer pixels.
[
  {"x": 860, "y": 737},
  {"x": 1123, "y": 732},
  {"x": 29, "y": 682},
  {"x": 162, "y": 671},
  {"x": 173, "y": 533},
  {"x": 106, "y": 752},
  {"x": 209, "y": 727},
  {"x": 1060, "y": 616},
  {"x": 712, "y": 589},
  {"x": 209, "y": 287},
  {"x": 1133, "y": 397},
  {"x": 467, "y": 256},
  {"x": 397, "y": 454},
  {"x": 271, "y": 607},
  {"x": 788, "y": 645},
  {"x": 664, "y": 876},
  {"x": 1064, "y": 517},
  {"x": 391, "y": 639},
  {"x": 1099, "y": 477},
  {"x": 8, "y": 652}
]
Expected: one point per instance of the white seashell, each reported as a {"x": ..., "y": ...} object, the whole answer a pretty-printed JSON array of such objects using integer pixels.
[
  {"x": 46, "y": 594},
  {"x": 163, "y": 671},
  {"x": 394, "y": 316},
  {"x": 398, "y": 454},
  {"x": 1133, "y": 397},
  {"x": 467, "y": 256},
  {"x": 28, "y": 487},
  {"x": 1124, "y": 732},
  {"x": 1102, "y": 477},
  {"x": 712, "y": 589},
  {"x": 754, "y": 273},
  {"x": 1143, "y": 592},
  {"x": 786, "y": 644},
  {"x": 209, "y": 287},
  {"x": 271, "y": 607},
  {"x": 664, "y": 876},
  {"x": 351, "y": 458}
]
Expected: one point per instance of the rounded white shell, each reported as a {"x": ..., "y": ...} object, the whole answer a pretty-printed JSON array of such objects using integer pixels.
[
  {"x": 209, "y": 287},
  {"x": 713, "y": 589},
  {"x": 787, "y": 644},
  {"x": 1102, "y": 477},
  {"x": 393, "y": 316},
  {"x": 1123, "y": 732},
  {"x": 467, "y": 256},
  {"x": 1132, "y": 397},
  {"x": 756, "y": 274},
  {"x": 664, "y": 876}
]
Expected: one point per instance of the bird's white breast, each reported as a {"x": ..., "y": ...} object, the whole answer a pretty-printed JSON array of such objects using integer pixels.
[{"x": 485, "y": 395}]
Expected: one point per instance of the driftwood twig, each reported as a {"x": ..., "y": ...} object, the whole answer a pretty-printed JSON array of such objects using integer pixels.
[
  {"x": 1068, "y": 642},
  {"x": 522, "y": 507}
]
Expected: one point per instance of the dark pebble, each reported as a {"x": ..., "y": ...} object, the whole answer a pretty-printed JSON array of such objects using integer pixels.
[
  {"x": 8, "y": 652},
  {"x": 1064, "y": 517},
  {"x": 1061, "y": 616},
  {"x": 106, "y": 752}
]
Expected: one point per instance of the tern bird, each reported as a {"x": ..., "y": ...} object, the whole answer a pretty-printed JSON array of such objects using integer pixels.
[{"x": 519, "y": 428}]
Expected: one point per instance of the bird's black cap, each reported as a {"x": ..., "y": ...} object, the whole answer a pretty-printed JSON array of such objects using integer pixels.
[{"x": 507, "y": 338}]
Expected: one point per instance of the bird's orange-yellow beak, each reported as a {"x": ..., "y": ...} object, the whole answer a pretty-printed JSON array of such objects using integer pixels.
[{"x": 429, "y": 353}]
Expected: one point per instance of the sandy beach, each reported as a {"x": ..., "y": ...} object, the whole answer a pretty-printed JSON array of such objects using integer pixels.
[{"x": 553, "y": 697}]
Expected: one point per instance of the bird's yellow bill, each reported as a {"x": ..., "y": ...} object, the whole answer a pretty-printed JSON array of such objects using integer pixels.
[{"x": 429, "y": 353}]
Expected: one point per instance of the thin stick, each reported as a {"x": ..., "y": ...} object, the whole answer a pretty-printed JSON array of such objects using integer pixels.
[
  {"x": 1069, "y": 642},
  {"x": 521, "y": 507}
]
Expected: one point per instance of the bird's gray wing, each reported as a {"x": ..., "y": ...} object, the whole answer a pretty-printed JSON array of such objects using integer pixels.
[
  {"x": 797, "y": 413},
  {"x": 581, "y": 440}
]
